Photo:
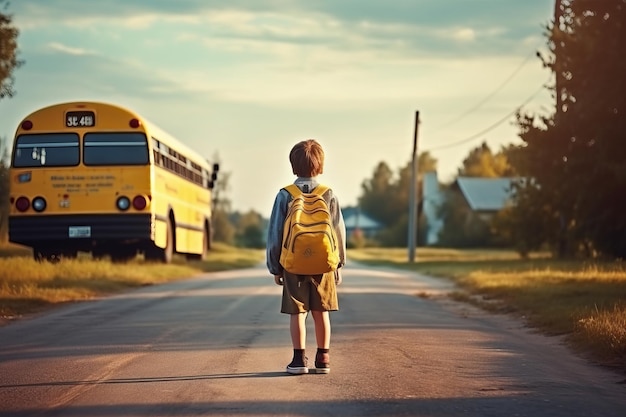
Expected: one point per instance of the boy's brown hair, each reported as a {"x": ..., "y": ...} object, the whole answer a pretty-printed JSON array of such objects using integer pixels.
[{"x": 307, "y": 158}]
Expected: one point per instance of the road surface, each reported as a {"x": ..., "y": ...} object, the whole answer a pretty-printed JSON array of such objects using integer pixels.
[{"x": 217, "y": 345}]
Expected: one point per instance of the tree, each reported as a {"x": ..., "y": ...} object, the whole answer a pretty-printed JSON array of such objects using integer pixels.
[
  {"x": 4, "y": 191},
  {"x": 385, "y": 198},
  {"x": 575, "y": 159},
  {"x": 482, "y": 162},
  {"x": 8, "y": 63},
  {"x": 250, "y": 230},
  {"x": 462, "y": 227},
  {"x": 223, "y": 228},
  {"x": 379, "y": 199},
  {"x": 524, "y": 225},
  {"x": 8, "y": 51}
]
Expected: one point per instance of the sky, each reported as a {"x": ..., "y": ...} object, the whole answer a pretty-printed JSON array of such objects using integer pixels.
[{"x": 242, "y": 81}]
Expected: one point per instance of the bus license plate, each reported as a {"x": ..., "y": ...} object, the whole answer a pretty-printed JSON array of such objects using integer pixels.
[
  {"x": 80, "y": 119},
  {"x": 80, "y": 231}
]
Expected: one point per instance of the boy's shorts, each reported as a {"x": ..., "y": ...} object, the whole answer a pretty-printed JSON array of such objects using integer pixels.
[{"x": 303, "y": 293}]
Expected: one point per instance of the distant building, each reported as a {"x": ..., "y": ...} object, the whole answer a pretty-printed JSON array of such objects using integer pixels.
[
  {"x": 483, "y": 196},
  {"x": 432, "y": 199},
  {"x": 357, "y": 220}
]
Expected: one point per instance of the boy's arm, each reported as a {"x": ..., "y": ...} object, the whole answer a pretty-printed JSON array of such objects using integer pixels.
[
  {"x": 340, "y": 229},
  {"x": 275, "y": 233}
]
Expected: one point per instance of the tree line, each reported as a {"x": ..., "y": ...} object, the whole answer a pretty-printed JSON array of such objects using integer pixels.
[
  {"x": 570, "y": 169},
  {"x": 9, "y": 61},
  {"x": 574, "y": 160}
]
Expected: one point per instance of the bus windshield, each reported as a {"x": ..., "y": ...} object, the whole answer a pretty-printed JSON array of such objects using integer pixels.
[
  {"x": 124, "y": 148},
  {"x": 50, "y": 149}
]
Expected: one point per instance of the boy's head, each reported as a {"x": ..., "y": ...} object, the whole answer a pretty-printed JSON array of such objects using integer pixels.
[{"x": 307, "y": 158}]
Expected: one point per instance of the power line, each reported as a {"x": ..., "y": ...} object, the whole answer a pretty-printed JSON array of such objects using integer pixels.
[
  {"x": 489, "y": 96},
  {"x": 493, "y": 126}
]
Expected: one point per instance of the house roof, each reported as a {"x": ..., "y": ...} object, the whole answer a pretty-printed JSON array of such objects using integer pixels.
[
  {"x": 485, "y": 194},
  {"x": 360, "y": 220}
]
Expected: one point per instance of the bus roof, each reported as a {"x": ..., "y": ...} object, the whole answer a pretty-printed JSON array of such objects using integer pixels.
[{"x": 152, "y": 130}]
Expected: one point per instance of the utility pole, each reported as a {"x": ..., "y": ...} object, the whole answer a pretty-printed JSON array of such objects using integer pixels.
[
  {"x": 413, "y": 195},
  {"x": 557, "y": 36}
]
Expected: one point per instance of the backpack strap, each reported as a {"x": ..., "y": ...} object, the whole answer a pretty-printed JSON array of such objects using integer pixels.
[
  {"x": 321, "y": 189},
  {"x": 295, "y": 191}
]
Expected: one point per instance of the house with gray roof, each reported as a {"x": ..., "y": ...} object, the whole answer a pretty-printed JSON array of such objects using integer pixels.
[{"x": 484, "y": 197}]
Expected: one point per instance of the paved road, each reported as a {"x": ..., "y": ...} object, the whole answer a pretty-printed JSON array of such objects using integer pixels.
[{"x": 216, "y": 345}]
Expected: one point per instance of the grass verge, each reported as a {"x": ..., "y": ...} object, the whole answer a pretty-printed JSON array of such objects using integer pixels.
[
  {"x": 585, "y": 302},
  {"x": 27, "y": 286}
]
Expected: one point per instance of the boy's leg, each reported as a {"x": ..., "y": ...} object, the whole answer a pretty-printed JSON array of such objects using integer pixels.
[
  {"x": 323, "y": 300},
  {"x": 295, "y": 303},
  {"x": 322, "y": 328},
  {"x": 322, "y": 335},
  {"x": 297, "y": 328}
]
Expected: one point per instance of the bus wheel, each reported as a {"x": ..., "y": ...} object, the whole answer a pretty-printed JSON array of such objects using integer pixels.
[
  {"x": 168, "y": 251},
  {"x": 123, "y": 254},
  {"x": 154, "y": 253},
  {"x": 38, "y": 255},
  {"x": 42, "y": 255}
]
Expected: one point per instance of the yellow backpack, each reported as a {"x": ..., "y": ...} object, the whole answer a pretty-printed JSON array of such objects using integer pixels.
[{"x": 309, "y": 245}]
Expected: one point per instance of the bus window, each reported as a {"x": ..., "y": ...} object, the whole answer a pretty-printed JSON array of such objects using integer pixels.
[
  {"x": 115, "y": 149},
  {"x": 50, "y": 149}
]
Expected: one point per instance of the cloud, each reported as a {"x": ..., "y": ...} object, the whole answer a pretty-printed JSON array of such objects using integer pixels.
[
  {"x": 323, "y": 55},
  {"x": 398, "y": 26},
  {"x": 248, "y": 76},
  {"x": 59, "y": 47},
  {"x": 464, "y": 34}
]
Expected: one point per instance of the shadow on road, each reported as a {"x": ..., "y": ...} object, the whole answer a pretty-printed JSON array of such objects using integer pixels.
[{"x": 143, "y": 380}]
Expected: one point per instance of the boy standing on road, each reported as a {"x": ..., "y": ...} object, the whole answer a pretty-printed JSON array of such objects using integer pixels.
[{"x": 304, "y": 293}]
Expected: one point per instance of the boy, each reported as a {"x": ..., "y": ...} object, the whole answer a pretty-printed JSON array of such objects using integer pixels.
[{"x": 304, "y": 293}]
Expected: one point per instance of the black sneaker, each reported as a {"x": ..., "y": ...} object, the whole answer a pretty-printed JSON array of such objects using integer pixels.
[
  {"x": 298, "y": 367},
  {"x": 322, "y": 363}
]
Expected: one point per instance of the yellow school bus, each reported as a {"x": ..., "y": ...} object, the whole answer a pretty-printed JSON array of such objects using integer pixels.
[{"x": 97, "y": 177}]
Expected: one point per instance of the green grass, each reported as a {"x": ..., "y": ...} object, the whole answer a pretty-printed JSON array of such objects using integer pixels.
[
  {"x": 27, "y": 286},
  {"x": 585, "y": 301}
]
